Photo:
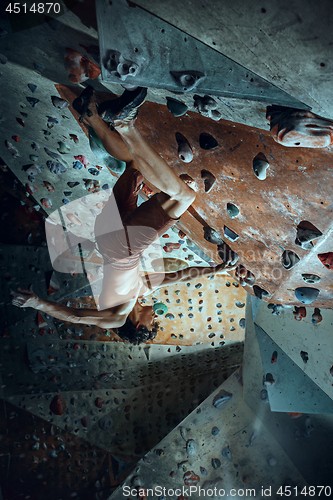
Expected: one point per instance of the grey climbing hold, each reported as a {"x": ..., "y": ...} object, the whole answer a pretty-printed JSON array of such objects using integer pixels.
[
  {"x": 226, "y": 453},
  {"x": 52, "y": 154},
  {"x": 289, "y": 259},
  {"x": 212, "y": 236},
  {"x": 276, "y": 308},
  {"x": 93, "y": 171},
  {"x": 215, "y": 431},
  {"x": 177, "y": 108},
  {"x": 216, "y": 463},
  {"x": 221, "y": 399},
  {"x": 311, "y": 278},
  {"x": 207, "y": 141},
  {"x": 306, "y": 295},
  {"x": 233, "y": 210},
  {"x": 191, "y": 448},
  {"x": 77, "y": 165},
  {"x": 118, "y": 66},
  {"x": 242, "y": 322},
  {"x": 187, "y": 80},
  {"x": 58, "y": 102},
  {"x": 63, "y": 148},
  {"x": 185, "y": 152},
  {"x": 72, "y": 184},
  {"x": 260, "y": 166},
  {"x": 32, "y": 101},
  {"x": 230, "y": 234},
  {"x": 56, "y": 167}
]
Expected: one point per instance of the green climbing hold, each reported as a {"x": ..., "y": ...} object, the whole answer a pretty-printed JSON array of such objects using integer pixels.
[{"x": 160, "y": 308}]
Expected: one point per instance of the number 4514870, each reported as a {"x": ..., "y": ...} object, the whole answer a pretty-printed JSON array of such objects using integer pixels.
[{"x": 35, "y": 8}]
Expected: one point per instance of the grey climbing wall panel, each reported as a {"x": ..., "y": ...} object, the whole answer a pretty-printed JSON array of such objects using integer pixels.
[
  {"x": 138, "y": 48},
  {"x": 221, "y": 445}
]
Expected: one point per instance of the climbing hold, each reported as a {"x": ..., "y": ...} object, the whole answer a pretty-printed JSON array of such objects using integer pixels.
[
  {"x": 56, "y": 167},
  {"x": 239, "y": 304},
  {"x": 216, "y": 463},
  {"x": 169, "y": 247},
  {"x": 58, "y": 102},
  {"x": 91, "y": 185},
  {"x": 46, "y": 202},
  {"x": 177, "y": 108},
  {"x": 226, "y": 453},
  {"x": 77, "y": 165},
  {"x": 160, "y": 308},
  {"x": 93, "y": 171},
  {"x": 63, "y": 148},
  {"x": 72, "y": 184},
  {"x": 269, "y": 380},
  {"x": 20, "y": 121},
  {"x": 48, "y": 186},
  {"x": 31, "y": 170},
  {"x": 52, "y": 154},
  {"x": 16, "y": 138},
  {"x": 326, "y": 259},
  {"x": 82, "y": 159},
  {"x": 3, "y": 59},
  {"x": 260, "y": 292},
  {"x": 12, "y": 150},
  {"x": 205, "y": 103},
  {"x": 242, "y": 322},
  {"x": 306, "y": 233},
  {"x": 227, "y": 255},
  {"x": 299, "y": 313},
  {"x": 233, "y": 210},
  {"x": 184, "y": 149},
  {"x": 306, "y": 295},
  {"x": 58, "y": 405},
  {"x": 230, "y": 234},
  {"x": 221, "y": 399},
  {"x": 189, "y": 181},
  {"x": 188, "y": 80},
  {"x": 289, "y": 259},
  {"x": 74, "y": 219},
  {"x": 30, "y": 188},
  {"x": 316, "y": 316},
  {"x": 276, "y": 308},
  {"x": 215, "y": 431},
  {"x": 74, "y": 138},
  {"x": 32, "y": 87},
  {"x": 209, "y": 180},
  {"x": 207, "y": 141},
  {"x": 79, "y": 67},
  {"x": 260, "y": 166},
  {"x": 33, "y": 157},
  {"x": 304, "y": 356},
  {"x": 212, "y": 236},
  {"x": 67, "y": 193},
  {"x": 215, "y": 115},
  {"x": 311, "y": 278},
  {"x": 65, "y": 201},
  {"x": 274, "y": 357},
  {"x": 191, "y": 448},
  {"x": 32, "y": 101},
  {"x": 119, "y": 67},
  {"x": 169, "y": 315},
  {"x": 190, "y": 478}
]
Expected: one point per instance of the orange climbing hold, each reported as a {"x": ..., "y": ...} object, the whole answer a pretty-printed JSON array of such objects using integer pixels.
[{"x": 79, "y": 67}]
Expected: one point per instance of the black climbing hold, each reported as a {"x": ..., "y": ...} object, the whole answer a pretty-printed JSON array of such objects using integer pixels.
[
  {"x": 93, "y": 171},
  {"x": 207, "y": 141},
  {"x": 212, "y": 236},
  {"x": 289, "y": 259},
  {"x": 230, "y": 234},
  {"x": 233, "y": 210},
  {"x": 260, "y": 292},
  {"x": 209, "y": 180},
  {"x": 177, "y": 108},
  {"x": 216, "y": 463},
  {"x": 306, "y": 233},
  {"x": 306, "y": 295},
  {"x": 72, "y": 184},
  {"x": 32, "y": 87},
  {"x": 311, "y": 278},
  {"x": 304, "y": 356},
  {"x": 32, "y": 101}
]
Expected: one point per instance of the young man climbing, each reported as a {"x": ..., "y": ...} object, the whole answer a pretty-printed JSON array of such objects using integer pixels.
[{"x": 122, "y": 249}]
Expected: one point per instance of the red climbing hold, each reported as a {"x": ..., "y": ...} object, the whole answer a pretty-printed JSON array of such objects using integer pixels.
[
  {"x": 299, "y": 313},
  {"x": 79, "y": 67},
  {"x": 40, "y": 320},
  {"x": 58, "y": 405},
  {"x": 82, "y": 159},
  {"x": 326, "y": 259}
]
